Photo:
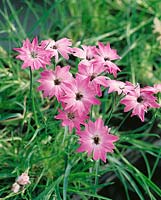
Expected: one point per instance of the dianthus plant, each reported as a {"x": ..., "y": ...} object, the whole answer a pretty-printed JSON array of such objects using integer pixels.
[{"x": 78, "y": 93}]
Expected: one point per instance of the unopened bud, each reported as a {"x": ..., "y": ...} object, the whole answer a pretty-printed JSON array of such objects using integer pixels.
[
  {"x": 23, "y": 179},
  {"x": 15, "y": 187}
]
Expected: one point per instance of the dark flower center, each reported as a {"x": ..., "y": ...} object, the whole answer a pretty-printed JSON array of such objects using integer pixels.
[
  {"x": 57, "y": 82},
  {"x": 34, "y": 54},
  {"x": 54, "y": 47},
  {"x": 71, "y": 116},
  {"x": 92, "y": 77},
  {"x": 140, "y": 99},
  {"x": 96, "y": 140},
  {"x": 107, "y": 59},
  {"x": 89, "y": 57},
  {"x": 79, "y": 96}
]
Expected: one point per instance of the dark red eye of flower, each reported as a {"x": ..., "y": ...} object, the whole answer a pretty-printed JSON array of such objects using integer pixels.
[
  {"x": 89, "y": 58},
  {"x": 54, "y": 47},
  {"x": 96, "y": 140},
  {"x": 140, "y": 99},
  {"x": 92, "y": 77},
  {"x": 71, "y": 116},
  {"x": 107, "y": 59},
  {"x": 79, "y": 96},
  {"x": 57, "y": 82}
]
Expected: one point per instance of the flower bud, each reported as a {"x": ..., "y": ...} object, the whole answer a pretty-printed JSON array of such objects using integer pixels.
[
  {"x": 15, "y": 187},
  {"x": 23, "y": 179}
]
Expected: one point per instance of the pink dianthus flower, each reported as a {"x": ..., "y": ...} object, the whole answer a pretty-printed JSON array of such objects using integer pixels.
[
  {"x": 119, "y": 86},
  {"x": 139, "y": 100},
  {"x": 87, "y": 53},
  {"x": 94, "y": 73},
  {"x": 157, "y": 87},
  {"x": 105, "y": 57},
  {"x": 115, "y": 86},
  {"x": 96, "y": 140},
  {"x": 61, "y": 46},
  {"x": 79, "y": 95},
  {"x": 53, "y": 82},
  {"x": 33, "y": 55},
  {"x": 71, "y": 118}
]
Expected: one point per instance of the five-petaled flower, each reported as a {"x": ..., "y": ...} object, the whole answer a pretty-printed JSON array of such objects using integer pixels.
[
  {"x": 96, "y": 139},
  {"x": 94, "y": 73},
  {"x": 71, "y": 118},
  {"x": 139, "y": 100},
  {"x": 79, "y": 95},
  {"x": 119, "y": 86},
  {"x": 53, "y": 82},
  {"x": 86, "y": 54},
  {"x": 62, "y": 46},
  {"x": 33, "y": 55},
  {"x": 105, "y": 56}
]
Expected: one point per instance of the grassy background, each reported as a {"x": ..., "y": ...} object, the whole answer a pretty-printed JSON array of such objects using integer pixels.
[{"x": 45, "y": 149}]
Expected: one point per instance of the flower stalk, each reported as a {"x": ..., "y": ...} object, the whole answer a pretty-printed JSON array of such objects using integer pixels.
[{"x": 32, "y": 99}]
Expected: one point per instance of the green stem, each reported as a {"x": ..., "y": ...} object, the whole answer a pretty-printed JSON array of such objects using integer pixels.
[
  {"x": 96, "y": 174},
  {"x": 112, "y": 109},
  {"x": 65, "y": 182},
  {"x": 32, "y": 99},
  {"x": 127, "y": 115},
  {"x": 65, "y": 134}
]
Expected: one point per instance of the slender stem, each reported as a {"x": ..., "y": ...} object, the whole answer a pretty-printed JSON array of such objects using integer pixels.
[
  {"x": 65, "y": 134},
  {"x": 96, "y": 174},
  {"x": 112, "y": 109},
  {"x": 32, "y": 99},
  {"x": 127, "y": 115},
  {"x": 65, "y": 182},
  {"x": 155, "y": 165}
]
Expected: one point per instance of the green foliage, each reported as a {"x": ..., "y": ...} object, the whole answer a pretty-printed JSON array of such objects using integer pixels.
[{"x": 30, "y": 138}]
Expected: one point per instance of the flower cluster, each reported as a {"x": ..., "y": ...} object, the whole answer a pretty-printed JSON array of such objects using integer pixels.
[
  {"x": 21, "y": 181},
  {"x": 79, "y": 92}
]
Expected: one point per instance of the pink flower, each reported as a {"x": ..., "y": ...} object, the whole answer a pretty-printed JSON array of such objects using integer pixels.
[
  {"x": 115, "y": 86},
  {"x": 157, "y": 87},
  {"x": 79, "y": 95},
  {"x": 23, "y": 179},
  {"x": 87, "y": 53},
  {"x": 96, "y": 139},
  {"x": 93, "y": 72},
  {"x": 53, "y": 82},
  {"x": 139, "y": 100},
  {"x": 105, "y": 57},
  {"x": 71, "y": 118},
  {"x": 149, "y": 89},
  {"x": 119, "y": 86},
  {"x": 61, "y": 46},
  {"x": 33, "y": 55},
  {"x": 15, "y": 188}
]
